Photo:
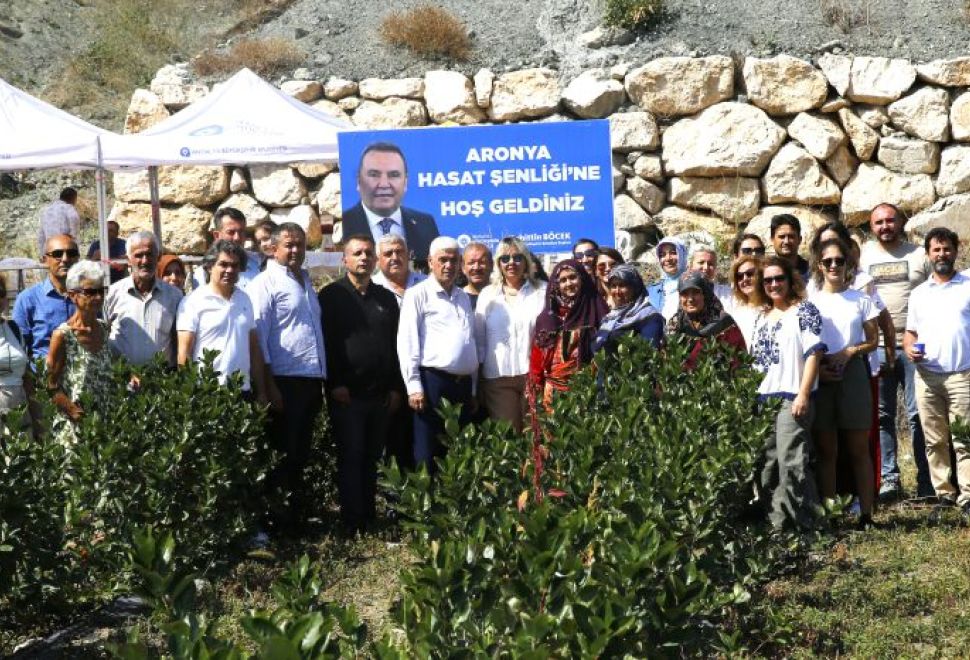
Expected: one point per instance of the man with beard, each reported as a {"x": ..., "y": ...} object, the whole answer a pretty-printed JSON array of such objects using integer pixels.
[
  {"x": 937, "y": 339},
  {"x": 897, "y": 267},
  {"x": 141, "y": 309},
  {"x": 786, "y": 236}
]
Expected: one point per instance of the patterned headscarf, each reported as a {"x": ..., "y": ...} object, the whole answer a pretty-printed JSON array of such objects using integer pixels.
[
  {"x": 624, "y": 318},
  {"x": 585, "y": 310}
]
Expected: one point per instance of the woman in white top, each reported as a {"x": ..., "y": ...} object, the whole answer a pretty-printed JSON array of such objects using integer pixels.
[
  {"x": 745, "y": 302},
  {"x": 14, "y": 380},
  {"x": 844, "y": 402},
  {"x": 787, "y": 346},
  {"x": 504, "y": 326}
]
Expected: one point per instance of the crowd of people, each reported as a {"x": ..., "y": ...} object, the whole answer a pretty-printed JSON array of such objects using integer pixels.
[{"x": 384, "y": 345}]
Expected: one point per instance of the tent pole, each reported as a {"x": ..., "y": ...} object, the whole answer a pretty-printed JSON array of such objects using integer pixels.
[
  {"x": 102, "y": 217},
  {"x": 156, "y": 209}
]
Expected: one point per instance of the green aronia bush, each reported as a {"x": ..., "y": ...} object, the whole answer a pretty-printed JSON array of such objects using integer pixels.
[
  {"x": 181, "y": 453},
  {"x": 615, "y": 533}
]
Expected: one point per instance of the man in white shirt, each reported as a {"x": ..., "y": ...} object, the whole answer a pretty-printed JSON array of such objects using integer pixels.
[
  {"x": 394, "y": 269},
  {"x": 229, "y": 224},
  {"x": 291, "y": 340},
  {"x": 896, "y": 268},
  {"x": 60, "y": 217},
  {"x": 141, "y": 309},
  {"x": 437, "y": 349},
  {"x": 218, "y": 316},
  {"x": 937, "y": 339}
]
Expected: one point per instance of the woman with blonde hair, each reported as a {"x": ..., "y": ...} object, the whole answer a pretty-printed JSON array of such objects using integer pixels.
[{"x": 505, "y": 320}]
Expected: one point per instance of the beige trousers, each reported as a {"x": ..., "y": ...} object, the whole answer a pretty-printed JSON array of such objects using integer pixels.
[
  {"x": 504, "y": 398},
  {"x": 941, "y": 398}
]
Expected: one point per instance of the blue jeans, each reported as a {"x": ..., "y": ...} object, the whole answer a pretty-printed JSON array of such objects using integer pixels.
[{"x": 902, "y": 375}]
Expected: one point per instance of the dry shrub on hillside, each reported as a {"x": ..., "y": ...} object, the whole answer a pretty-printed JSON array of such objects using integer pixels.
[
  {"x": 264, "y": 56},
  {"x": 843, "y": 14},
  {"x": 632, "y": 13},
  {"x": 427, "y": 30}
]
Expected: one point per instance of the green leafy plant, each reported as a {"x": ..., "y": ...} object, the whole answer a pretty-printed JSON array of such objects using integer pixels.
[
  {"x": 182, "y": 452},
  {"x": 613, "y": 531},
  {"x": 632, "y": 13}
]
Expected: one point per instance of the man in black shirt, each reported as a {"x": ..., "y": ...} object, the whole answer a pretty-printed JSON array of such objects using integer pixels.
[{"x": 360, "y": 332}]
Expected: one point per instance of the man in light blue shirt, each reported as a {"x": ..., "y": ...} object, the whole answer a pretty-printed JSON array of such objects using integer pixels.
[
  {"x": 230, "y": 224},
  {"x": 290, "y": 335},
  {"x": 41, "y": 308}
]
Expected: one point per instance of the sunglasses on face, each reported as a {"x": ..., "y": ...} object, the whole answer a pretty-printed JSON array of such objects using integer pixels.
[
  {"x": 775, "y": 279},
  {"x": 506, "y": 258},
  {"x": 746, "y": 274},
  {"x": 585, "y": 254},
  {"x": 833, "y": 262},
  {"x": 753, "y": 250},
  {"x": 605, "y": 267},
  {"x": 58, "y": 254}
]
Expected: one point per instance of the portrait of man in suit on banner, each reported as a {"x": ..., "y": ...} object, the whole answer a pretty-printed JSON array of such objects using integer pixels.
[{"x": 382, "y": 181}]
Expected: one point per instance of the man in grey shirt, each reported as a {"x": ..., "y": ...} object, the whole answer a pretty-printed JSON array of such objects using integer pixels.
[{"x": 141, "y": 309}]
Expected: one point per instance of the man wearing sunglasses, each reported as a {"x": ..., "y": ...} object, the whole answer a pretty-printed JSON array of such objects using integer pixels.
[{"x": 40, "y": 309}]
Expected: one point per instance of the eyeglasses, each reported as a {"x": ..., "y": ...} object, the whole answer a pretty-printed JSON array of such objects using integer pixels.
[
  {"x": 506, "y": 258},
  {"x": 833, "y": 262},
  {"x": 746, "y": 274},
  {"x": 604, "y": 267},
  {"x": 753, "y": 250},
  {"x": 90, "y": 293},
  {"x": 587, "y": 254},
  {"x": 775, "y": 279},
  {"x": 72, "y": 253}
]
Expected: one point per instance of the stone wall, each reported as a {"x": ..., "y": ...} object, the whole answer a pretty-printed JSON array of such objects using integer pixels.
[{"x": 699, "y": 144}]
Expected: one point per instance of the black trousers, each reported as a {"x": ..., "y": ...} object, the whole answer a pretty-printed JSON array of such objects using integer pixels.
[
  {"x": 291, "y": 433},
  {"x": 359, "y": 428}
]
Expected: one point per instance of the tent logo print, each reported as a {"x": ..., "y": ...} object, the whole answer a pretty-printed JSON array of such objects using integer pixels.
[{"x": 205, "y": 131}]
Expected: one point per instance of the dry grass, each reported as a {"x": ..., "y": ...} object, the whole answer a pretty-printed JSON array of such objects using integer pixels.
[
  {"x": 264, "y": 56},
  {"x": 844, "y": 14},
  {"x": 632, "y": 14},
  {"x": 427, "y": 30}
]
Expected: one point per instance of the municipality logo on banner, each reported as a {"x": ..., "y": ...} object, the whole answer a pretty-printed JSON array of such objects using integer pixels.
[{"x": 548, "y": 184}]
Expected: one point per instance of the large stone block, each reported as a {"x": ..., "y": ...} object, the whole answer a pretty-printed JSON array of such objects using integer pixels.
[
  {"x": 247, "y": 204},
  {"x": 628, "y": 215},
  {"x": 864, "y": 140},
  {"x": 820, "y": 136},
  {"x": 879, "y": 80},
  {"x": 954, "y": 171},
  {"x": 184, "y": 228},
  {"x": 177, "y": 184},
  {"x": 276, "y": 186},
  {"x": 390, "y": 113},
  {"x": 633, "y": 131},
  {"x": 328, "y": 107},
  {"x": 674, "y": 86},
  {"x": 794, "y": 176},
  {"x": 328, "y": 197},
  {"x": 303, "y": 90},
  {"x": 144, "y": 111},
  {"x": 924, "y": 114},
  {"x": 646, "y": 194},
  {"x": 649, "y": 167},
  {"x": 450, "y": 97},
  {"x": 337, "y": 88},
  {"x": 732, "y": 198},
  {"x": 841, "y": 165},
  {"x": 674, "y": 220},
  {"x": 951, "y": 212},
  {"x": 592, "y": 95},
  {"x": 810, "y": 220},
  {"x": 525, "y": 94},
  {"x": 874, "y": 184},
  {"x": 960, "y": 117},
  {"x": 837, "y": 69},
  {"x": 174, "y": 86},
  {"x": 727, "y": 138},
  {"x": 784, "y": 85},
  {"x": 484, "y": 80},
  {"x": 303, "y": 215},
  {"x": 378, "y": 89},
  {"x": 909, "y": 156},
  {"x": 949, "y": 73}
]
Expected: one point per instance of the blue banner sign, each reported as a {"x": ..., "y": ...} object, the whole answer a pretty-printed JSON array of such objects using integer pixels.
[{"x": 547, "y": 183}]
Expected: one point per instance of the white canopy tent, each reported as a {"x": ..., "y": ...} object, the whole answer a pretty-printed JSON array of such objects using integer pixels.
[
  {"x": 36, "y": 135},
  {"x": 244, "y": 120}
]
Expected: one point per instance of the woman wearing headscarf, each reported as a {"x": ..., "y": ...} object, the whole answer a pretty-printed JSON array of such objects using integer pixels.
[
  {"x": 701, "y": 317},
  {"x": 672, "y": 257},
  {"x": 171, "y": 270},
  {"x": 565, "y": 329},
  {"x": 632, "y": 315}
]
